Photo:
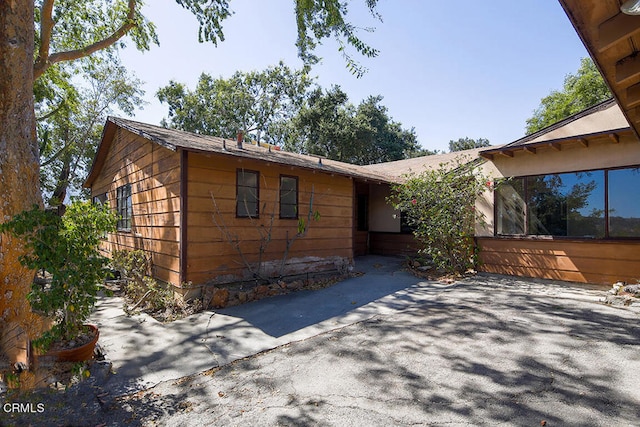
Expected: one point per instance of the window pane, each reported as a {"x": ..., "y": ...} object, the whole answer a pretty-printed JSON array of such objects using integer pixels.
[
  {"x": 510, "y": 207},
  {"x": 570, "y": 204},
  {"x": 124, "y": 207},
  {"x": 624, "y": 202},
  {"x": 247, "y": 179},
  {"x": 288, "y": 197},
  {"x": 247, "y": 202},
  {"x": 247, "y": 190}
]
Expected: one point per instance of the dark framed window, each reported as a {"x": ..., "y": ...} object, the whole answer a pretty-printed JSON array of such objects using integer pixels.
[
  {"x": 247, "y": 193},
  {"x": 592, "y": 204},
  {"x": 100, "y": 199},
  {"x": 288, "y": 197},
  {"x": 623, "y": 202},
  {"x": 363, "y": 212},
  {"x": 124, "y": 207}
]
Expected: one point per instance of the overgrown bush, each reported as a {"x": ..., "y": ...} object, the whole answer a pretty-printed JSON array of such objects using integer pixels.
[
  {"x": 439, "y": 206},
  {"x": 145, "y": 293},
  {"x": 67, "y": 248}
]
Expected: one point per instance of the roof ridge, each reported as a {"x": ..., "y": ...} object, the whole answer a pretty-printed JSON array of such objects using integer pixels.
[{"x": 572, "y": 118}]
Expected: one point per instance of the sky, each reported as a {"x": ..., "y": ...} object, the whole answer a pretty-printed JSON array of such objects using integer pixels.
[{"x": 449, "y": 69}]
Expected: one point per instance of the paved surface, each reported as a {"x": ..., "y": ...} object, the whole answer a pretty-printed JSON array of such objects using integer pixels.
[
  {"x": 488, "y": 350},
  {"x": 145, "y": 352}
]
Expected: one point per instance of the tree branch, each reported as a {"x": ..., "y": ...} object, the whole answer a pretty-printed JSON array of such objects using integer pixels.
[
  {"x": 46, "y": 60},
  {"x": 46, "y": 28}
]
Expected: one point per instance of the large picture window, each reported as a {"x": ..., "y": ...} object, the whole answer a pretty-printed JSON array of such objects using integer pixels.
[
  {"x": 592, "y": 204},
  {"x": 288, "y": 197},
  {"x": 624, "y": 202},
  {"x": 247, "y": 193},
  {"x": 124, "y": 207}
]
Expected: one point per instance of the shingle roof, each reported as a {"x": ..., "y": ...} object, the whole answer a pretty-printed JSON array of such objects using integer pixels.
[
  {"x": 399, "y": 168},
  {"x": 176, "y": 139}
]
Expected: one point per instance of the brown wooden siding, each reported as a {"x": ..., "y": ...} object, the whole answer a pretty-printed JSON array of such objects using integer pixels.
[
  {"x": 392, "y": 243},
  {"x": 212, "y": 258},
  {"x": 599, "y": 262},
  {"x": 154, "y": 175}
]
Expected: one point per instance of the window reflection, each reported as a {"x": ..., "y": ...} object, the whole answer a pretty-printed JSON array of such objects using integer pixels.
[{"x": 624, "y": 202}]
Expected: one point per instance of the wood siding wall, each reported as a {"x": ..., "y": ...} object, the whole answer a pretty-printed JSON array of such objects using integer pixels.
[
  {"x": 154, "y": 175},
  {"x": 212, "y": 258},
  {"x": 392, "y": 243},
  {"x": 598, "y": 262}
]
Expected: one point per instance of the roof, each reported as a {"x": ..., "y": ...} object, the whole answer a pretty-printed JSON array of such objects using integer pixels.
[
  {"x": 174, "y": 140},
  {"x": 398, "y": 168},
  {"x": 611, "y": 38},
  {"x": 605, "y": 118}
]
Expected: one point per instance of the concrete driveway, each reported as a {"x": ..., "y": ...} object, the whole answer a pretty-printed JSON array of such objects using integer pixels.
[
  {"x": 488, "y": 350},
  {"x": 484, "y": 351}
]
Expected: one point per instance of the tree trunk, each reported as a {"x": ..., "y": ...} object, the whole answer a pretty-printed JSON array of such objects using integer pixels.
[{"x": 19, "y": 170}]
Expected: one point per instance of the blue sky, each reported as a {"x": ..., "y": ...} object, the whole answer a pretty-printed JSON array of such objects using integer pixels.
[{"x": 450, "y": 69}]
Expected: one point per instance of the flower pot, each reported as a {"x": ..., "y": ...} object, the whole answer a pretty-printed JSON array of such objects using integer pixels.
[{"x": 78, "y": 354}]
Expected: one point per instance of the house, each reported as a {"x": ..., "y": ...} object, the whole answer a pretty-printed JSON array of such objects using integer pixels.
[
  {"x": 566, "y": 201},
  {"x": 203, "y": 207}
]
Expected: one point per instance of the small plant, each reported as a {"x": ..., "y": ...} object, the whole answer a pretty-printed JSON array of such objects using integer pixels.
[{"x": 67, "y": 249}]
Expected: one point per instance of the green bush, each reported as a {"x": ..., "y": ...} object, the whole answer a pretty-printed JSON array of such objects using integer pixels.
[
  {"x": 439, "y": 205},
  {"x": 67, "y": 248}
]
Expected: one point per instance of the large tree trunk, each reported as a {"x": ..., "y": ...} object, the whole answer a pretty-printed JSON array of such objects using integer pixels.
[{"x": 19, "y": 170}]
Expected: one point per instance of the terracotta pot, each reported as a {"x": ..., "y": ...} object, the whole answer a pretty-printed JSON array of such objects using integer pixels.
[{"x": 78, "y": 354}]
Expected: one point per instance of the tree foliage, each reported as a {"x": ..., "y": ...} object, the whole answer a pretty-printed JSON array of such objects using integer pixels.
[
  {"x": 258, "y": 102},
  {"x": 467, "y": 144},
  {"x": 330, "y": 126},
  {"x": 582, "y": 90},
  {"x": 68, "y": 135},
  {"x": 67, "y": 247},
  {"x": 439, "y": 205}
]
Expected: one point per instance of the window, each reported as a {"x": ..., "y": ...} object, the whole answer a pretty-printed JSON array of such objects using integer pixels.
[
  {"x": 247, "y": 193},
  {"x": 100, "y": 199},
  {"x": 288, "y": 197},
  {"x": 592, "y": 204},
  {"x": 124, "y": 207},
  {"x": 510, "y": 203},
  {"x": 624, "y": 208},
  {"x": 568, "y": 204},
  {"x": 363, "y": 212}
]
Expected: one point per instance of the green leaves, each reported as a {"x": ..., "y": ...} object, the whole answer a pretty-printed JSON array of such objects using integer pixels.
[
  {"x": 582, "y": 90},
  {"x": 439, "y": 205},
  {"x": 260, "y": 103},
  {"x": 467, "y": 144},
  {"x": 67, "y": 248},
  {"x": 318, "y": 20},
  {"x": 332, "y": 127},
  {"x": 210, "y": 14}
]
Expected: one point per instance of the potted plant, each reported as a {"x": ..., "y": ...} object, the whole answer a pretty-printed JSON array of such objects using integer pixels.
[{"x": 66, "y": 249}]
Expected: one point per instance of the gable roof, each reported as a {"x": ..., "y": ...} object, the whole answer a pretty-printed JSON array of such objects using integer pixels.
[
  {"x": 605, "y": 118},
  {"x": 174, "y": 140}
]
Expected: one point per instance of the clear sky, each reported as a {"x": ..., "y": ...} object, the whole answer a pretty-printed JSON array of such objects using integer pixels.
[{"x": 451, "y": 69}]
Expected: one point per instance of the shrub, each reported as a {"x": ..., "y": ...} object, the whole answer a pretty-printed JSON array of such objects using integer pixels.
[
  {"x": 439, "y": 205},
  {"x": 67, "y": 248}
]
